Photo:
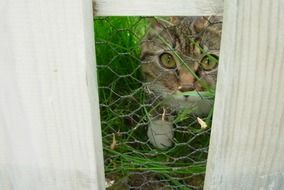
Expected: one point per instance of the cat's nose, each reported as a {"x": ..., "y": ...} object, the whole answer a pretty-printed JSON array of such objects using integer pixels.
[{"x": 186, "y": 87}]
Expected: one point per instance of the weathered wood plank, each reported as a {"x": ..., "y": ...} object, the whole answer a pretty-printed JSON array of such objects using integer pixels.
[
  {"x": 50, "y": 136},
  {"x": 247, "y": 144},
  {"x": 159, "y": 7}
]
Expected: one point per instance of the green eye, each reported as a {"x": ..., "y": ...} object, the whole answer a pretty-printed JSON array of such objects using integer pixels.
[
  {"x": 209, "y": 62},
  {"x": 167, "y": 61}
]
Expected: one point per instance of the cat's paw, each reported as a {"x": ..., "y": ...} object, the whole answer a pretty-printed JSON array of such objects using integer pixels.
[{"x": 160, "y": 134}]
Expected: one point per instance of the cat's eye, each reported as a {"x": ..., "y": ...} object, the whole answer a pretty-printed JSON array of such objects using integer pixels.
[
  {"x": 167, "y": 61},
  {"x": 209, "y": 62}
]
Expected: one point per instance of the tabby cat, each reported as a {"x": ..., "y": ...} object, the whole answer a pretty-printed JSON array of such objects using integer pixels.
[{"x": 179, "y": 63}]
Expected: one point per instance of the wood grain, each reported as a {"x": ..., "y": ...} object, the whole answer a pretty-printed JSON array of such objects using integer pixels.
[
  {"x": 50, "y": 137},
  {"x": 159, "y": 7},
  {"x": 247, "y": 144}
]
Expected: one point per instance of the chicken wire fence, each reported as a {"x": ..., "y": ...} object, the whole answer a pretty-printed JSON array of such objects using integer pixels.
[{"x": 131, "y": 161}]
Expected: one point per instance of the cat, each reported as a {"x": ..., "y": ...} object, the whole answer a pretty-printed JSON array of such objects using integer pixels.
[{"x": 179, "y": 62}]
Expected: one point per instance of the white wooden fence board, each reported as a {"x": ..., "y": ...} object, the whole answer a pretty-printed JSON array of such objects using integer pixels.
[
  {"x": 50, "y": 134},
  {"x": 159, "y": 7},
  {"x": 247, "y": 144}
]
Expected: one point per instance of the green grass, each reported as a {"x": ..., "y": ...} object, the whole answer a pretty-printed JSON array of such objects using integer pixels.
[{"x": 125, "y": 112}]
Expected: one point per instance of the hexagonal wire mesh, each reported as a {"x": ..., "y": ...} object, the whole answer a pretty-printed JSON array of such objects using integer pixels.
[{"x": 126, "y": 107}]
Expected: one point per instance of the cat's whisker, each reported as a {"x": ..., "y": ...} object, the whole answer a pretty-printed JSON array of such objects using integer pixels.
[{"x": 164, "y": 114}]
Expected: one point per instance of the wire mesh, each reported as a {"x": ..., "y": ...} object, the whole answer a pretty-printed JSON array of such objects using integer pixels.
[{"x": 126, "y": 105}]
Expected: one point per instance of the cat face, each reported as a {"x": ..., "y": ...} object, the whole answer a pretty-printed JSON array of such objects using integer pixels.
[{"x": 181, "y": 56}]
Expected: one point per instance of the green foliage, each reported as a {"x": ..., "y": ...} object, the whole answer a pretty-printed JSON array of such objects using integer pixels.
[
  {"x": 118, "y": 41},
  {"x": 125, "y": 112}
]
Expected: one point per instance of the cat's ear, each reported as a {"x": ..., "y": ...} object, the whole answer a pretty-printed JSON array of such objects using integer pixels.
[
  {"x": 158, "y": 24},
  {"x": 200, "y": 23},
  {"x": 175, "y": 20}
]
